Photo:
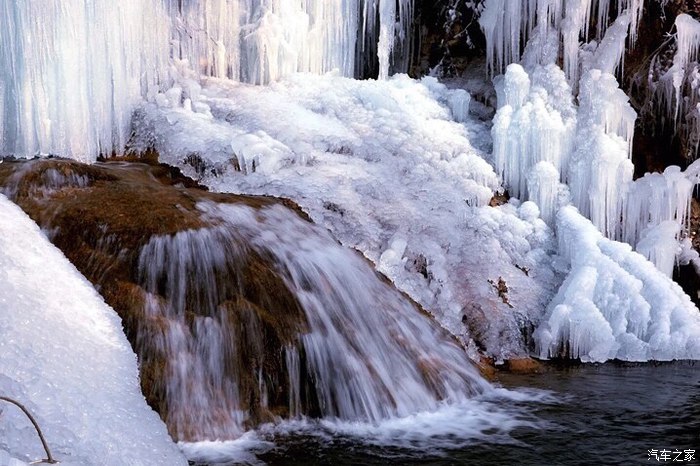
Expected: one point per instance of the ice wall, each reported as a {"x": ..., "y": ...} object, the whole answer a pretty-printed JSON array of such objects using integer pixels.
[{"x": 72, "y": 71}]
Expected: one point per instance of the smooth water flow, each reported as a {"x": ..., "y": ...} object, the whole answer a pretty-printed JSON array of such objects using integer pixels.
[{"x": 362, "y": 350}]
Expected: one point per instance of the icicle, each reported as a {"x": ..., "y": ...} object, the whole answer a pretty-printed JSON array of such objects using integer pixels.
[
  {"x": 543, "y": 188},
  {"x": 387, "y": 23},
  {"x": 71, "y": 74},
  {"x": 72, "y": 71},
  {"x": 609, "y": 54},
  {"x": 501, "y": 22}
]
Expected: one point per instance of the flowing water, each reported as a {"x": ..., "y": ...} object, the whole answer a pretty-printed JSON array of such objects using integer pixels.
[
  {"x": 589, "y": 414},
  {"x": 366, "y": 355}
]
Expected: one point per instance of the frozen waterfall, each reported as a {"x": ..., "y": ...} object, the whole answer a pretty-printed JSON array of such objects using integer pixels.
[{"x": 72, "y": 71}]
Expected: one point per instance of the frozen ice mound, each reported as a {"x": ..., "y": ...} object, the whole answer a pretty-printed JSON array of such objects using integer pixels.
[{"x": 614, "y": 304}]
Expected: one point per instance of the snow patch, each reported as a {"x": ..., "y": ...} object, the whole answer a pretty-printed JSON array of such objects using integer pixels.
[{"x": 63, "y": 355}]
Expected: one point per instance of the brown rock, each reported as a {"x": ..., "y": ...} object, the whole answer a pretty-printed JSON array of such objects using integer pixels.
[
  {"x": 524, "y": 365},
  {"x": 102, "y": 215}
]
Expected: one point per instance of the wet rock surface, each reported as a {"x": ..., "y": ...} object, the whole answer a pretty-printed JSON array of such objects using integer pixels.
[{"x": 103, "y": 215}]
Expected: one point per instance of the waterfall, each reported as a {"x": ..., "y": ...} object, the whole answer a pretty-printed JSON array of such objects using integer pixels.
[
  {"x": 361, "y": 352},
  {"x": 72, "y": 71}
]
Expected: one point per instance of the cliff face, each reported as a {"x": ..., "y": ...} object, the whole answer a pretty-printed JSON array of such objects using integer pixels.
[{"x": 448, "y": 36}]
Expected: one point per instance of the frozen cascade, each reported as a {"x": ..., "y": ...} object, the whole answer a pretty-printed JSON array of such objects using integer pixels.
[
  {"x": 359, "y": 361},
  {"x": 509, "y": 24},
  {"x": 70, "y": 75},
  {"x": 374, "y": 161},
  {"x": 614, "y": 303},
  {"x": 73, "y": 71}
]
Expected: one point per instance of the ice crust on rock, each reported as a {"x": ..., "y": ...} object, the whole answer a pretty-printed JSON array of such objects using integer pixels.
[
  {"x": 386, "y": 168},
  {"x": 63, "y": 354},
  {"x": 614, "y": 304}
]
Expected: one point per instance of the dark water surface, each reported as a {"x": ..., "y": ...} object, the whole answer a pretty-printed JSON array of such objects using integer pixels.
[{"x": 594, "y": 414}]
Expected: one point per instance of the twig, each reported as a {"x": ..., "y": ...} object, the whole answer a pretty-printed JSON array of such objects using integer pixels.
[{"x": 49, "y": 459}]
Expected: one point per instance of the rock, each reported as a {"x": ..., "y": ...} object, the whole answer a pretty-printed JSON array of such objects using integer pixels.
[
  {"x": 524, "y": 365},
  {"x": 101, "y": 216}
]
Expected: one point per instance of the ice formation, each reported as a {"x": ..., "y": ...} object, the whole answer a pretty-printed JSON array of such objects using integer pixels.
[
  {"x": 70, "y": 75},
  {"x": 383, "y": 165},
  {"x": 64, "y": 355},
  {"x": 676, "y": 94},
  {"x": 600, "y": 168},
  {"x": 589, "y": 145},
  {"x": 614, "y": 304},
  {"x": 73, "y": 70},
  {"x": 532, "y": 134},
  {"x": 509, "y": 24}
]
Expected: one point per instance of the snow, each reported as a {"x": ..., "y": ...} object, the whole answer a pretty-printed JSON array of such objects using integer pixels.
[
  {"x": 381, "y": 164},
  {"x": 614, "y": 303},
  {"x": 63, "y": 355}
]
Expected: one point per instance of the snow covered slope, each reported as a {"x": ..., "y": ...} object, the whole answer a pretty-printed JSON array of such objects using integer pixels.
[{"x": 64, "y": 356}]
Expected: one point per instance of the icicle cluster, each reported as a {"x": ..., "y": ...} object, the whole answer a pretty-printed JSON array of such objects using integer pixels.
[
  {"x": 537, "y": 122},
  {"x": 532, "y": 134},
  {"x": 259, "y": 41},
  {"x": 508, "y": 24},
  {"x": 600, "y": 168},
  {"x": 677, "y": 92},
  {"x": 614, "y": 303},
  {"x": 72, "y": 71},
  {"x": 70, "y": 74}
]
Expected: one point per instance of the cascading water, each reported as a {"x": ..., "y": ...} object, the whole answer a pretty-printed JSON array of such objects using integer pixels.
[
  {"x": 363, "y": 353},
  {"x": 72, "y": 71}
]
